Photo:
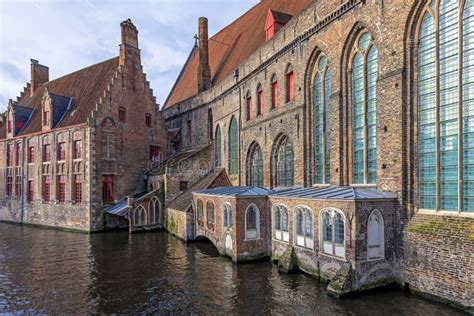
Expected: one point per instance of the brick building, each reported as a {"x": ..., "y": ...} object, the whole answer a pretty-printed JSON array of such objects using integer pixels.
[
  {"x": 74, "y": 145},
  {"x": 349, "y": 113}
]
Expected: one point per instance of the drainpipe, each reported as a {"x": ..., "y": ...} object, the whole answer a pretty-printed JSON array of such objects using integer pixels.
[{"x": 23, "y": 181}]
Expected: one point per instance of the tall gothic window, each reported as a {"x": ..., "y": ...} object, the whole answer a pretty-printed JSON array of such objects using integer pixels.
[
  {"x": 283, "y": 163},
  {"x": 280, "y": 223},
  {"x": 304, "y": 227},
  {"x": 322, "y": 137},
  {"x": 255, "y": 166},
  {"x": 233, "y": 147},
  {"x": 252, "y": 222},
  {"x": 333, "y": 235},
  {"x": 364, "y": 111},
  {"x": 227, "y": 216},
  {"x": 446, "y": 106},
  {"x": 217, "y": 147}
]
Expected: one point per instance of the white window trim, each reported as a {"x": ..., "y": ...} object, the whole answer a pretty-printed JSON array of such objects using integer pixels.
[
  {"x": 382, "y": 256},
  {"x": 226, "y": 229},
  {"x": 281, "y": 231},
  {"x": 446, "y": 213},
  {"x": 295, "y": 230},
  {"x": 332, "y": 211},
  {"x": 257, "y": 222}
]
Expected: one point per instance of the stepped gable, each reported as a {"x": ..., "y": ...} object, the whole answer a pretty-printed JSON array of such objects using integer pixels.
[
  {"x": 242, "y": 37},
  {"x": 84, "y": 86}
]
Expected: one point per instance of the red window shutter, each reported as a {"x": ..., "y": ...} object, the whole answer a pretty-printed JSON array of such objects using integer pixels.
[
  {"x": 290, "y": 87},
  {"x": 274, "y": 95},
  {"x": 108, "y": 189},
  {"x": 260, "y": 102},
  {"x": 19, "y": 125},
  {"x": 249, "y": 108}
]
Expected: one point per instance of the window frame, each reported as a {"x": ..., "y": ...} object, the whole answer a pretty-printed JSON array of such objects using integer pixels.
[
  {"x": 380, "y": 237},
  {"x": 303, "y": 240},
  {"x": 336, "y": 248},
  {"x": 290, "y": 84},
  {"x": 254, "y": 233},
  {"x": 282, "y": 234}
]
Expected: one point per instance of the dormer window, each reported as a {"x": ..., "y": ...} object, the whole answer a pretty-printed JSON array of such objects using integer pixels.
[
  {"x": 45, "y": 117},
  {"x": 275, "y": 21}
]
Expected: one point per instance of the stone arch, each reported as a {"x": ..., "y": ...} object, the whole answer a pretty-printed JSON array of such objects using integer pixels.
[
  {"x": 330, "y": 244},
  {"x": 252, "y": 222},
  {"x": 303, "y": 237},
  {"x": 375, "y": 235},
  {"x": 282, "y": 161},
  {"x": 140, "y": 216},
  {"x": 154, "y": 210}
]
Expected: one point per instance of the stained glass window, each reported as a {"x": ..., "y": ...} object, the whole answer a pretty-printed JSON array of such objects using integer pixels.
[
  {"x": 255, "y": 166},
  {"x": 217, "y": 147},
  {"x": 284, "y": 163},
  {"x": 233, "y": 147}
]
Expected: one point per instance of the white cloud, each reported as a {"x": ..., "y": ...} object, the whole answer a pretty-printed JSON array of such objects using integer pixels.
[{"x": 70, "y": 35}]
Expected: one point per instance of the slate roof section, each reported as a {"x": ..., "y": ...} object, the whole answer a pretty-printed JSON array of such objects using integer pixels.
[
  {"x": 281, "y": 17},
  {"x": 236, "y": 191},
  {"x": 22, "y": 115},
  {"x": 61, "y": 105},
  {"x": 333, "y": 193},
  {"x": 121, "y": 207},
  {"x": 242, "y": 38},
  {"x": 84, "y": 86}
]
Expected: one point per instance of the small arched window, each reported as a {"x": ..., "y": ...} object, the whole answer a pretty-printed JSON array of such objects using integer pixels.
[
  {"x": 283, "y": 163},
  {"x": 290, "y": 82},
  {"x": 218, "y": 147},
  {"x": 375, "y": 236},
  {"x": 280, "y": 223},
  {"x": 255, "y": 166},
  {"x": 274, "y": 92},
  {"x": 200, "y": 213},
  {"x": 364, "y": 111},
  {"x": 227, "y": 216},
  {"x": 210, "y": 214},
  {"x": 333, "y": 233},
  {"x": 321, "y": 119},
  {"x": 304, "y": 227},
  {"x": 259, "y": 100},
  {"x": 121, "y": 114},
  {"x": 140, "y": 216},
  {"x": 233, "y": 147},
  {"x": 252, "y": 223},
  {"x": 248, "y": 100},
  {"x": 154, "y": 211}
]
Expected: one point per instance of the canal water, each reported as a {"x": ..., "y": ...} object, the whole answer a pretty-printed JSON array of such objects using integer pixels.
[{"x": 55, "y": 272}]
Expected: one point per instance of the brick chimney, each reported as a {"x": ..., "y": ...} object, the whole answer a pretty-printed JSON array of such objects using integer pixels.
[
  {"x": 204, "y": 70},
  {"x": 39, "y": 76},
  {"x": 129, "y": 44}
]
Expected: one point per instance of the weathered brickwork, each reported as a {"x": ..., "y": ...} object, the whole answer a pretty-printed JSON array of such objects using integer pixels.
[{"x": 333, "y": 29}]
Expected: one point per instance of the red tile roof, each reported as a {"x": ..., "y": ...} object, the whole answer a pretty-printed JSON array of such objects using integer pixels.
[
  {"x": 244, "y": 36},
  {"x": 85, "y": 86}
]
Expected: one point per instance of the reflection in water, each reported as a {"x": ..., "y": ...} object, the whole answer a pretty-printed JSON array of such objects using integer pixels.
[{"x": 47, "y": 271}]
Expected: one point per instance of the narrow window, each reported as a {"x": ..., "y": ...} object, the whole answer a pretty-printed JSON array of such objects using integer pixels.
[
  {"x": 121, "y": 114},
  {"x": 9, "y": 126},
  {"x": 233, "y": 147},
  {"x": 31, "y": 154},
  {"x": 364, "y": 111},
  {"x": 210, "y": 215},
  {"x": 290, "y": 79},
  {"x": 183, "y": 185},
  {"x": 77, "y": 189},
  {"x": 259, "y": 100},
  {"x": 46, "y": 153},
  {"x": 218, "y": 147},
  {"x": 46, "y": 188},
  {"x": 77, "y": 149},
  {"x": 9, "y": 155},
  {"x": 280, "y": 223},
  {"x": 375, "y": 236},
  {"x": 227, "y": 214},
  {"x": 304, "y": 227},
  {"x": 31, "y": 192},
  {"x": 252, "y": 224},
  {"x": 249, "y": 107},
  {"x": 333, "y": 234},
  {"x": 210, "y": 121},
  {"x": 190, "y": 131},
  {"x": 155, "y": 153},
  {"x": 108, "y": 189},
  {"x": 200, "y": 213},
  {"x": 282, "y": 159},
  {"x": 61, "y": 151},
  {"x": 9, "y": 190},
  {"x": 18, "y": 154},
  {"x": 148, "y": 120},
  {"x": 61, "y": 189},
  {"x": 45, "y": 117},
  {"x": 255, "y": 166},
  {"x": 321, "y": 121},
  {"x": 274, "y": 92},
  {"x": 18, "y": 183}
]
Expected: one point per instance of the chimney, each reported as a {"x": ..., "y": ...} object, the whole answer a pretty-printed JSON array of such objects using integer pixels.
[
  {"x": 39, "y": 76},
  {"x": 204, "y": 70},
  {"x": 129, "y": 43}
]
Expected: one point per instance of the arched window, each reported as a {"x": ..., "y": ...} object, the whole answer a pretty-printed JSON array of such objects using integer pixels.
[
  {"x": 154, "y": 211},
  {"x": 333, "y": 232},
  {"x": 304, "y": 227},
  {"x": 364, "y": 111},
  {"x": 282, "y": 159},
  {"x": 233, "y": 147},
  {"x": 140, "y": 216},
  {"x": 218, "y": 147},
  {"x": 290, "y": 83},
  {"x": 200, "y": 213},
  {"x": 248, "y": 100},
  {"x": 255, "y": 166},
  {"x": 108, "y": 139},
  {"x": 210, "y": 214},
  {"x": 274, "y": 92},
  {"x": 252, "y": 223},
  {"x": 375, "y": 236},
  {"x": 321, "y": 119},
  {"x": 446, "y": 106},
  {"x": 227, "y": 216},
  {"x": 259, "y": 100},
  {"x": 280, "y": 223}
]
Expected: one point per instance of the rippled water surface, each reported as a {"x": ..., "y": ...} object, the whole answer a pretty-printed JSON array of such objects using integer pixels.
[{"x": 47, "y": 271}]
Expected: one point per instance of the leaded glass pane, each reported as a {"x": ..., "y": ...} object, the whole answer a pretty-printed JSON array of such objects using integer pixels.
[
  {"x": 285, "y": 164},
  {"x": 364, "y": 41},
  {"x": 277, "y": 219},
  {"x": 284, "y": 219},
  {"x": 309, "y": 224},
  {"x": 327, "y": 227},
  {"x": 251, "y": 218},
  {"x": 299, "y": 222},
  {"x": 427, "y": 114},
  {"x": 448, "y": 104},
  {"x": 358, "y": 119},
  {"x": 468, "y": 107},
  {"x": 256, "y": 167},
  {"x": 327, "y": 136},
  {"x": 372, "y": 62},
  {"x": 318, "y": 129},
  {"x": 338, "y": 229},
  {"x": 233, "y": 147}
]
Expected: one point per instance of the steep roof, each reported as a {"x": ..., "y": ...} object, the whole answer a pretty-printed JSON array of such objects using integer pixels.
[
  {"x": 242, "y": 37},
  {"x": 84, "y": 87}
]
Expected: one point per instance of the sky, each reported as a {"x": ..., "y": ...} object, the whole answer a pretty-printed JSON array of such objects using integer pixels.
[{"x": 68, "y": 35}]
